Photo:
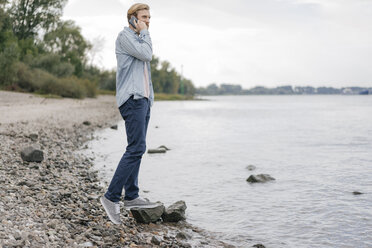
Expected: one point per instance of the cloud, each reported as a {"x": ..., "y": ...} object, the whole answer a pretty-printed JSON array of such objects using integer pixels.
[{"x": 267, "y": 42}]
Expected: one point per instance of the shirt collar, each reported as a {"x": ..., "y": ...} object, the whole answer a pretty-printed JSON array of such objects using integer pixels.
[{"x": 130, "y": 30}]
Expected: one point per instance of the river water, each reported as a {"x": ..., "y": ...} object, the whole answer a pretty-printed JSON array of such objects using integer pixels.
[{"x": 318, "y": 148}]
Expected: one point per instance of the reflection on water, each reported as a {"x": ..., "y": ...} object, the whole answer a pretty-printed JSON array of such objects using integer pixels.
[{"x": 319, "y": 149}]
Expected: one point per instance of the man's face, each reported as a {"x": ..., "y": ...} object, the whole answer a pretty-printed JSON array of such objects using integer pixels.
[{"x": 144, "y": 15}]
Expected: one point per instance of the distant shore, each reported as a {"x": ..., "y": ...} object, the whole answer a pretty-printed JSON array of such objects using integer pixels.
[
  {"x": 159, "y": 96},
  {"x": 55, "y": 202}
]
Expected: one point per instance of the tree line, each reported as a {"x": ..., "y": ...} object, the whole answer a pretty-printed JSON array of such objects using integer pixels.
[
  {"x": 234, "y": 89},
  {"x": 40, "y": 52}
]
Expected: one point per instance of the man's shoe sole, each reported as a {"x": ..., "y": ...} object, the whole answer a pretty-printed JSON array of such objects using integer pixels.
[{"x": 107, "y": 212}]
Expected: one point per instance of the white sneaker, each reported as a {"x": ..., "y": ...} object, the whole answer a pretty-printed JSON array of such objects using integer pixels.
[{"x": 112, "y": 209}]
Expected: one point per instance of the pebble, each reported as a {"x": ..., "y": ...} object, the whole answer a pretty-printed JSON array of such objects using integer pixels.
[
  {"x": 86, "y": 244},
  {"x": 155, "y": 240},
  {"x": 181, "y": 235},
  {"x": 250, "y": 167},
  {"x": 32, "y": 154}
]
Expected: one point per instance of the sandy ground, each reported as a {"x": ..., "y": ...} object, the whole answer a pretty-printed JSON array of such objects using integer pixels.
[{"x": 21, "y": 107}]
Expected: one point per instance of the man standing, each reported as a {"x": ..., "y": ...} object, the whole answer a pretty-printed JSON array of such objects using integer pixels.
[{"x": 134, "y": 96}]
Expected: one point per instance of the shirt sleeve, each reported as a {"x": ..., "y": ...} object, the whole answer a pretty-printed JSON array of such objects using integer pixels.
[{"x": 139, "y": 47}]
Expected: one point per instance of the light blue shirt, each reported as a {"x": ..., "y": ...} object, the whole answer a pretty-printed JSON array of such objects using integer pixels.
[{"x": 133, "y": 54}]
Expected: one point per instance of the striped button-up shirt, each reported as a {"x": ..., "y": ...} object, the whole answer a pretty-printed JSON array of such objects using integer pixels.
[{"x": 133, "y": 75}]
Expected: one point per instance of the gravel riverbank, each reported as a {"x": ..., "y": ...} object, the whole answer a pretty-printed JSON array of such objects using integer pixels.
[{"x": 55, "y": 203}]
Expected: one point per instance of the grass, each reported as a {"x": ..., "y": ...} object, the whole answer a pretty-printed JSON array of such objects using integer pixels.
[
  {"x": 48, "y": 96},
  {"x": 34, "y": 93},
  {"x": 106, "y": 92},
  {"x": 172, "y": 97},
  {"x": 158, "y": 96}
]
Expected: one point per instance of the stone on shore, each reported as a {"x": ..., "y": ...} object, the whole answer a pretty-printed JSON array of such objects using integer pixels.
[
  {"x": 357, "y": 193},
  {"x": 260, "y": 178},
  {"x": 148, "y": 215},
  {"x": 87, "y": 123},
  {"x": 157, "y": 150},
  {"x": 87, "y": 244},
  {"x": 115, "y": 127},
  {"x": 160, "y": 149},
  {"x": 163, "y": 147},
  {"x": 32, "y": 154},
  {"x": 156, "y": 240},
  {"x": 175, "y": 212},
  {"x": 33, "y": 136},
  {"x": 259, "y": 246},
  {"x": 185, "y": 245},
  {"x": 182, "y": 235},
  {"x": 250, "y": 167}
]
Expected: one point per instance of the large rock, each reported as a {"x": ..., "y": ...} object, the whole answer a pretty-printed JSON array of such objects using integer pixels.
[
  {"x": 32, "y": 154},
  {"x": 175, "y": 212},
  {"x": 148, "y": 215},
  {"x": 259, "y": 246},
  {"x": 260, "y": 178}
]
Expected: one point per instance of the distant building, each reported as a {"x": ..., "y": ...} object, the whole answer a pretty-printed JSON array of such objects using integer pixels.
[
  {"x": 364, "y": 92},
  {"x": 304, "y": 90},
  {"x": 347, "y": 91}
]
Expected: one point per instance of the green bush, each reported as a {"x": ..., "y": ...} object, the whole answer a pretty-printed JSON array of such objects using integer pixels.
[
  {"x": 51, "y": 62},
  {"x": 43, "y": 82},
  {"x": 27, "y": 48},
  {"x": 172, "y": 97},
  {"x": 108, "y": 80},
  {"x": 26, "y": 79},
  {"x": 104, "y": 79},
  {"x": 90, "y": 87},
  {"x": 70, "y": 87},
  {"x": 63, "y": 69},
  {"x": 8, "y": 58}
]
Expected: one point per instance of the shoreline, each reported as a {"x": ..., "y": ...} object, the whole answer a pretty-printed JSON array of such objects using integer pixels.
[{"x": 55, "y": 202}]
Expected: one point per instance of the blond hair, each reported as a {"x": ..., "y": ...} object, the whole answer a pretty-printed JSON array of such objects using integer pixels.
[{"x": 135, "y": 8}]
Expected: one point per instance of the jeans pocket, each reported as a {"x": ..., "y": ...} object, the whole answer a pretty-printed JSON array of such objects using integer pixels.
[
  {"x": 126, "y": 106},
  {"x": 140, "y": 103}
]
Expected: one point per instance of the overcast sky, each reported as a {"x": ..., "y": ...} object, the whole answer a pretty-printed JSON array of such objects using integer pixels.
[{"x": 246, "y": 42}]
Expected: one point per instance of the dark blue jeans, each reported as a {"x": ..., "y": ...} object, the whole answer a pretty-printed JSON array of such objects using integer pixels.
[{"x": 136, "y": 114}]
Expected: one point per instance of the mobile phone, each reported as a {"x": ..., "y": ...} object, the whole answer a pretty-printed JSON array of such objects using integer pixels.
[{"x": 132, "y": 22}]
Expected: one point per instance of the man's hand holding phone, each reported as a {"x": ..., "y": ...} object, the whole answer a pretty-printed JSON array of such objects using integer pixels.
[
  {"x": 141, "y": 25},
  {"x": 138, "y": 25}
]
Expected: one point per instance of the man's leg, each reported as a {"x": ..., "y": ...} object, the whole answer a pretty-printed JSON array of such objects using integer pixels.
[
  {"x": 131, "y": 186},
  {"x": 134, "y": 113}
]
